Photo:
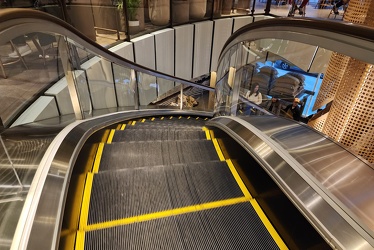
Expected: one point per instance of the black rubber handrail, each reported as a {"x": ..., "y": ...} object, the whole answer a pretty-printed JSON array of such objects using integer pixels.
[
  {"x": 14, "y": 16},
  {"x": 305, "y": 26}
]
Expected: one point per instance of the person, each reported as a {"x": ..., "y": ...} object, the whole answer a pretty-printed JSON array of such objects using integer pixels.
[
  {"x": 336, "y": 6},
  {"x": 274, "y": 106},
  {"x": 254, "y": 96},
  {"x": 295, "y": 109},
  {"x": 294, "y": 7}
]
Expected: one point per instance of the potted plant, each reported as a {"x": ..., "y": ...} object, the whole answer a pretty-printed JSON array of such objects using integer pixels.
[{"x": 134, "y": 16}]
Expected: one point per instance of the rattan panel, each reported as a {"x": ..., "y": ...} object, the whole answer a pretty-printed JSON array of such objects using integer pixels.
[
  {"x": 318, "y": 123},
  {"x": 360, "y": 12},
  {"x": 350, "y": 84},
  {"x": 351, "y": 117},
  {"x": 331, "y": 80}
]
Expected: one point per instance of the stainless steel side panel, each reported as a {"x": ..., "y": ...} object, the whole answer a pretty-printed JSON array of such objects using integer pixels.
[{"x": 332, "y": 187}]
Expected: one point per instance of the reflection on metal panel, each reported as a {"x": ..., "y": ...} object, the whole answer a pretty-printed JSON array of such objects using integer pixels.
[{"x": 331, "y": 186}]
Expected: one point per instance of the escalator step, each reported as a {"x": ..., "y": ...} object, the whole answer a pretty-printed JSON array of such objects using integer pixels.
[
  {"x": 157, "y": 134},
  {"x": 133, "y": 192},
  {"x": 230, "y": 227},
  {"x": 121, "y": 155},
  {"x": 164, "y": 126}
]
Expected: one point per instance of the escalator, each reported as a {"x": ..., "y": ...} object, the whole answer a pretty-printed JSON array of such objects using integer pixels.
[
  {"x": 112, "y": 171},
  {"x": 169, "y": 183}
]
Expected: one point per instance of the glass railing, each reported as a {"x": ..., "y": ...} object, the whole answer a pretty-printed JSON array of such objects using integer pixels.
[
  {"x": 48, "y": 75},
  {"x": 285, "y": 61},
  {"x": 283, "y": 69}
]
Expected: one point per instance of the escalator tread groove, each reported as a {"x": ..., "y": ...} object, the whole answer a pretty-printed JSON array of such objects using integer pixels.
[
  {"x": 163, "y": 166},
  {"x": 232, "y": 227},
  {"x": 153, "y": 189},
  {"x": 131, "y": 154}
]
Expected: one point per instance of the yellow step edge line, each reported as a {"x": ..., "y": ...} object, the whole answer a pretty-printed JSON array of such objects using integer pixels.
[
  {"x": 79, "y": 245},
  {"x": 86, "y": 202},
  {"x": 133, "y": 123},
  {"x": 218, "y": 149},
  {"x": 274, "y": 234},
  {"x": 118, "y": 126},
  {"x": 110, "y": 137},
  {"x": 99, "y": 153},
  {"x": 104, "y": 138},
  {"x": 153, "y": 119},
  {"x": 166, "y": 213},
  {"x": 143, "y": 120},
  {"x": 207, "y": 133},
  {"x": 123, "y": 127},
  {"x": 212, "y": 134},
  {"x": 239, "y": 180},
  {"x": 278, "y": 240}
]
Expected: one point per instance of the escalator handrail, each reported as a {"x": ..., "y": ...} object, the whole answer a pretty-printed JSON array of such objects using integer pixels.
[
  {"x": 16, "y": 16},
  {"x": 336, "y": 36}
]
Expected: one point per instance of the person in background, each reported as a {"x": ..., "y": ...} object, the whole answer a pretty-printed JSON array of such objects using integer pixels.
[
  {"x": 336, "y": 6},
  {"x": 294, "y": 109},
  {"x": 274, "y": 106},
  {"x": 294, "y": 7},
  {"x": 254, "y": 96}
]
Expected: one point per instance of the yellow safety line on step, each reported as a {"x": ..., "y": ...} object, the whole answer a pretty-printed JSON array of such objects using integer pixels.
[
  {"x": 118, "y": 126},
  {"x": 110, "y": 137},
  {"x": 79, "y": 245},
  {"x": 153, "y": 119},
  {"x": 123, "y": 127},
  {"x": 218, "y": 149},
  {"x": 133, "y": 123},
  {"x": 278, "y": 240},
  {"x": 104, "y": 138},
  {"x": 207, "y": 133},
  {"x": 166, "y": 213},
  {"x": 86, "y": 202},
  {"x": 98, "y": 158},
  {"x": 274, "y": 234},
  {"x": 239, "y": 180}
]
